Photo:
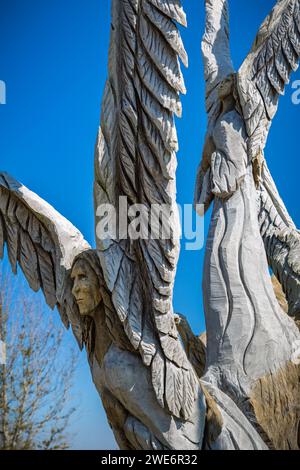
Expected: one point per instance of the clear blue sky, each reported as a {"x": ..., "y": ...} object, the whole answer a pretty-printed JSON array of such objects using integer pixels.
[{"x": 53, "y": 57}]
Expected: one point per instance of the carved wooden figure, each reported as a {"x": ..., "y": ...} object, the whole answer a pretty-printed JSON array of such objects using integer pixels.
[{"x": 157, "y": 387}]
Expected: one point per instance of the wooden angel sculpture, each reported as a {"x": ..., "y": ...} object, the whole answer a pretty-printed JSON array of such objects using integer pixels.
[
  {"x": 118, "y": 297},
  {"x": 251, "y": 343}
]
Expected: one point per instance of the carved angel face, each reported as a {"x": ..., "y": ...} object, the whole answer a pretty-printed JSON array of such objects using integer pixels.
[
  {"x": 86, "y": 288},
  {"x": 226, "y": 87}
]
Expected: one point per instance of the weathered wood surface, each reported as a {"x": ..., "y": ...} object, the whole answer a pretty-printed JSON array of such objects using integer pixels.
[
  {"x": 161, "y": 388},
  {"x": 250, "y": 341},
  {"x": 136, "y": 158}
]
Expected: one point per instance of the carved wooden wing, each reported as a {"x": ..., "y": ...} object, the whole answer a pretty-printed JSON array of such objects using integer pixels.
[
  {"x": 216, "y": 52},
  {"x": 44, "y": 245},
  {"x": 267, "y": 69},
  {"x": 282, "y": 241},
  {"x": 136, "y": 158}
]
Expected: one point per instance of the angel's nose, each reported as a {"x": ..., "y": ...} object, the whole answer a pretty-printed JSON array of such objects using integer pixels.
[{"x": 75, "y": 289}]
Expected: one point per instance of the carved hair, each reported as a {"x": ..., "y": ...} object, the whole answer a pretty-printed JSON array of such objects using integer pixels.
[{"x": 90, "y": 257}]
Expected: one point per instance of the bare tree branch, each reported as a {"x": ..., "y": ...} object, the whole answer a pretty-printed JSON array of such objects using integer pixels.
[{"x": 34, "y": 390}]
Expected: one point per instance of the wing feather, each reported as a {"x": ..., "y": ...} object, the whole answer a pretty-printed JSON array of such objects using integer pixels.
[
  {"x": 135, "y": 157},
  {"x": 281, "y": 239},
  {"x": 43, "y": 244},
  {"x": 47, "y": 274},
  {"x": 163, "y": 56},
  {"x": 168, "y": 29},
  {"x": 172, "y": 9},
  {"x": 29, "y": 261},
  {"x": 267, "y": 70}
]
